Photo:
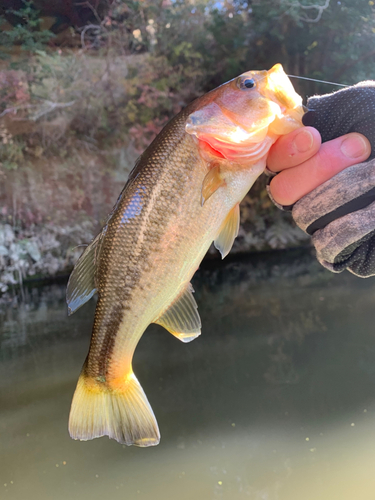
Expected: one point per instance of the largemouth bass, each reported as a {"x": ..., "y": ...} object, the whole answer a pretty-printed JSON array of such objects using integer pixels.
[{"x": 182, "y": 195}]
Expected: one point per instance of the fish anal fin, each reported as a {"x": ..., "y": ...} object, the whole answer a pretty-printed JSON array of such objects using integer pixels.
[
  {"x": 81, "y": 285},
  {"x": 181, "y": 318},
  {"x": 211, "y": 183},
  {"x": 228, "y": 231},
  {"x": 121, "y": 412}
]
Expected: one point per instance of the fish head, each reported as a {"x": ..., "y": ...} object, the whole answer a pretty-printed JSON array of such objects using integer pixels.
[{"x": 242, "y": 118}]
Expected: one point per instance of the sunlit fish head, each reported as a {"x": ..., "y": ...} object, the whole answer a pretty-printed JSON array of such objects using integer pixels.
[{"x": 237, "y": 117}]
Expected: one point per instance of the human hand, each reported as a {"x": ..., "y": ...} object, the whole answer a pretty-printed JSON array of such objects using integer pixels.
[
  {"x": 303, "y": 163},
  {"x": 330, "y": 192}
]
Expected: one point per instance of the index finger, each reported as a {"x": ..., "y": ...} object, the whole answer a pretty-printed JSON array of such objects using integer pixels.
[
  {"x": 333, "y": 156},
  {"x": 294, "y": 148}
]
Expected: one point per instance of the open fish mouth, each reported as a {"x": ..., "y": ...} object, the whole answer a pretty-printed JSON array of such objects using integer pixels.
[
  {"x": 257, "y": 106},
  {"x": 211, "y": 125}
]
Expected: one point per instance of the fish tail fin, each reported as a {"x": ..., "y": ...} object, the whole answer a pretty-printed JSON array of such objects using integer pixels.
[{"x": 120, "y": 411}]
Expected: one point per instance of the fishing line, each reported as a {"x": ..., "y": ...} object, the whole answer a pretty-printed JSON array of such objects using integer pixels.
[{"x": 319, "y": 81}]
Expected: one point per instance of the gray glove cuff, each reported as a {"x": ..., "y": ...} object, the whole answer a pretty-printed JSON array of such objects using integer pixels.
[
  {"x": 340, "y": 214},
  {"x": 348, "y": 191},
  {"x": 348, "y": 243}
]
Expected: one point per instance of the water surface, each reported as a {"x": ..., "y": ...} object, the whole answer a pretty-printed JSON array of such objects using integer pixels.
[{"x": 275, "y": 401}]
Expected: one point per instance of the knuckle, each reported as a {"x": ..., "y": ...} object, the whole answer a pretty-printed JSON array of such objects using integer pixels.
[{"x": 325, "y": 162}]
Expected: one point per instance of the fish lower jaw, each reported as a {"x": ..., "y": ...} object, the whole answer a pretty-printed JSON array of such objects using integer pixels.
[{"x": 245, "y": 154}]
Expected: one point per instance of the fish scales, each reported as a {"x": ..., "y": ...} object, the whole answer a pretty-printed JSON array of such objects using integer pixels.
[
  {"x": 134, "y": 239},
  {"x": 183, "y": 194}
]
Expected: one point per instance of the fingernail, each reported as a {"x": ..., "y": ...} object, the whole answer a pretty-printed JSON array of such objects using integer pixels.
[
  {"x": 303, "y": 141},
  {"x": 354, "y": 146}
]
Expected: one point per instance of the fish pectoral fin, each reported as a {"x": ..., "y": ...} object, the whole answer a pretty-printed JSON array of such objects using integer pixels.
[
  {"x": 81, "y": 285},
  {"x": 211, "y": 183},
  {"x": 228, "y": 231},
  {"x": 181, "y": 318}
]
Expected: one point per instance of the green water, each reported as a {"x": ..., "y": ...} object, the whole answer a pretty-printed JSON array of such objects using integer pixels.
[{"x": 275, "y": 401}]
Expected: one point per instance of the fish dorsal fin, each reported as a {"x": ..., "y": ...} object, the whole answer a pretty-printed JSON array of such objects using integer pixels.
[
  {"x": 81, "y": 285},
  {"x": 211, "y": 183},
  {"x": 181, "y": 318},
  {"x": 228, "y": 231}
]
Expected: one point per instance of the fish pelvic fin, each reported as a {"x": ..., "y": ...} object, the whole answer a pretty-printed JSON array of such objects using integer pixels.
[{"x": 121, "y": 412}]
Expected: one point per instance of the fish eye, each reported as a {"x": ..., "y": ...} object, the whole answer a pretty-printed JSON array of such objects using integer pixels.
[{"x": 247, "y": 83}]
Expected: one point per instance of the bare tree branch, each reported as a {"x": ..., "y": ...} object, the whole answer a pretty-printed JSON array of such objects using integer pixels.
[
  {"x": 47, "y": 107},
  {"x": 14, "y": 109},
  {"x": 305, "y": 17},
  {"x": 51, "y": 106}
]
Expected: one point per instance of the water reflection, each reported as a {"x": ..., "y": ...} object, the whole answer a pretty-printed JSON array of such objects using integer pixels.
[{"x": 275, "y": 401}]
